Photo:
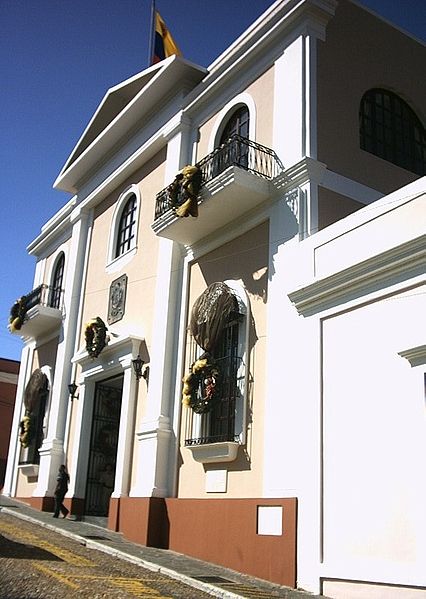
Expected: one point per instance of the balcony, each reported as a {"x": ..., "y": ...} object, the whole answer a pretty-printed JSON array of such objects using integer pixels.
[
  {"x": 39, "y": 313},
  {"x": 235, "y": 178}
]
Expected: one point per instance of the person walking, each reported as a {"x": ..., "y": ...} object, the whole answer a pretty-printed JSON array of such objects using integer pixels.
[{"x": 60, "y": 492}]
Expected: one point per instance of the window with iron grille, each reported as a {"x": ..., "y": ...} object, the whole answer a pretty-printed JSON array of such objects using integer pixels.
[
  {"x": 390, "y": 129},
  {"x": 238, "y": 124},
  {"x": 57, "y": 283},
  {"x": 126, "y": 233},
  {"x": 236, "y": 153},
  {"x": 216, "y": 389},
  {"x": 223, "y": 422}
]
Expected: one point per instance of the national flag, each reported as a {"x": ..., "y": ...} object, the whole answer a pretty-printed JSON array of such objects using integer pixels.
[{"x": 164, "y": 44}]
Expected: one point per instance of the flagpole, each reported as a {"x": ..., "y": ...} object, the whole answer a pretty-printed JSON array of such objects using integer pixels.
[{"x": 151, "y": 34}]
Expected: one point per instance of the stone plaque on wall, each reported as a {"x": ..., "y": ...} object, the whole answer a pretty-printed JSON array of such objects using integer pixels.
[{"x": 117, "y": 299}]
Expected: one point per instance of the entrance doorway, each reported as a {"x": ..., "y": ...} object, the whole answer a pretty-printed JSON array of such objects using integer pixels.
[{"x": 103, "y": 446}]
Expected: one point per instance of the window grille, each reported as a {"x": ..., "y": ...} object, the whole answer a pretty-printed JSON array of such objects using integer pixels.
[
  {"x": 238, "y": 124},
  {"x": 127, "y": 227},
  {"x": 390, "y": 129},
  {"x": 219, "y": 424},
  {"x": 57, "y": 282}
]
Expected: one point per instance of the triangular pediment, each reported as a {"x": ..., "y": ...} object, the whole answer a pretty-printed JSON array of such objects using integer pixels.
[
  {"x": 124, "y": 107},
  {"x": 114, "y": 102}
]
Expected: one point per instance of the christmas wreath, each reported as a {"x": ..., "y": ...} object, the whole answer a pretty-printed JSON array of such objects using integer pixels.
[
  {"x": 201, "y": 385},
  {"x": 183, "y": 191},
  {"x": 17, "y": 314},
  {"x": 26, "y": 430},
  {"x": 95, "y": 336}
]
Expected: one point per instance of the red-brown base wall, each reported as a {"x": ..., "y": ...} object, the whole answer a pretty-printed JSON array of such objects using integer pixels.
[{"x": 221, "y": 531}]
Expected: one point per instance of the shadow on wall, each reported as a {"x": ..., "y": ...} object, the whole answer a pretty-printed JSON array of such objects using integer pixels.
[{"x": 244, "y": 258}]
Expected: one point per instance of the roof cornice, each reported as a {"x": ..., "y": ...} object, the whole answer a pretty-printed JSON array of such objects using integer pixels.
[
  {"x": 54, "y": 228},
  {"x": 283, "y": 18},
  {"x": 174, "y": 74}
]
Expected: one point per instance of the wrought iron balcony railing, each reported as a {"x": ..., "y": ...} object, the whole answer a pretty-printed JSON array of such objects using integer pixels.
[
  {"x": 237, "y": 151},
  {"x": 44, "y": 295}
]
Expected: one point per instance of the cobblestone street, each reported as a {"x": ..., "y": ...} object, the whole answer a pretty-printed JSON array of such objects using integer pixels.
[{"x": 37, "y": 563}]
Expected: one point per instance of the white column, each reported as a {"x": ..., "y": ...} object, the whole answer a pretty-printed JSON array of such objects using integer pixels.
[
  {"x": 155, "y": 452},
  {"x": 310, "y": 96},
  {"x": 289, "y": 103},
  {"x": 81, "y": 445},
  {"x": 52, "y": 450},
  {"x": 11, "y": 476},
  {"x": 126, "y": 432},
  {"x": 295, "y": 114}
]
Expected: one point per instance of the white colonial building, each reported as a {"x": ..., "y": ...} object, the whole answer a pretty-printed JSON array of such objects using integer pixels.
[{"x": 225, "y": 337}]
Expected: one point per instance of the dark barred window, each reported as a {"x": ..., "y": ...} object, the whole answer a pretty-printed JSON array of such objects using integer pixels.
[
  {"x": 57, "y": 283},
  {"x": 214, "y": 390},
  {"x": 238, "y": 124},
  {"x": 390, "y": 129},
  {"x": 127, "y": 228},
  {"x": 222, "y": 417},
  {"x": 218, "y": 425}
]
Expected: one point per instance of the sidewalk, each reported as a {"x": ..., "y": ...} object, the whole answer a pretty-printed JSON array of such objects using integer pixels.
[{"x": 216, "y": 580}]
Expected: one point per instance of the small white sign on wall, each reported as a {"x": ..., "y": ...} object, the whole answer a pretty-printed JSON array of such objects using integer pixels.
[
  {"x": 216, "y": 481},
  {"x": 270, "y": 520}
]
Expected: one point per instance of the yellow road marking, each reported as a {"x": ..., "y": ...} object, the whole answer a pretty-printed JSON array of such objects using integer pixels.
[
  {"x": 131, "y": 585},
  {"x": 64, "y": 554},
  {"x": 46, "y": 570},
  {"x": 136, "y": 587}
]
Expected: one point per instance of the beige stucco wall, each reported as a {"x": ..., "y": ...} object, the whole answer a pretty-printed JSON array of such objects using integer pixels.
[
  {"x": 51, "y": 259},
  {"x": 262, "y": 93},
  {"x": 140, "y": 270},
  {"x": 45, "y": 355},
  {"x": 360, "y": 53},
  {"x": 244, "y": 259}
]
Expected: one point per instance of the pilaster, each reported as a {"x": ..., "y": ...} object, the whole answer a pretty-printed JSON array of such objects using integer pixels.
[
  {"x": 52, "y": 451},
  {"x": 155, "y": 431}
]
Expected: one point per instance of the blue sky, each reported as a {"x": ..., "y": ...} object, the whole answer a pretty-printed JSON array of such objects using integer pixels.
[{"x": 57, "y": 60}]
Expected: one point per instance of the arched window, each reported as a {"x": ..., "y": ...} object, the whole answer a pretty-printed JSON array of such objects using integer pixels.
[
  {"x": 56, "y": 287},
  {"x": 390, "y": 129},
  {"x": 126, "y": 232},
  {"x": 232, "y": 150},
  {"x": 237, "y": 124},
  {"x": 218, "y": 390},
  {"x": 123, "y": 234}
]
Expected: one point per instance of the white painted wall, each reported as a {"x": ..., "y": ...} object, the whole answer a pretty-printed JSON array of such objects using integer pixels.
[
  {"x": 374, "y": 443},
  {"x": 345, "y": 427}
]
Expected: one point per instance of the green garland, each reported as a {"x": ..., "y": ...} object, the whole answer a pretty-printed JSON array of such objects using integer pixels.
[
  {"x": 201, "y": 386},
  {"x": 17, "y": 314}
]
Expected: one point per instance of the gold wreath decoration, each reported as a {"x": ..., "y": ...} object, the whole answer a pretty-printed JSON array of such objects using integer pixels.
[
  {"x": 186, "y": 185},
  {"x": 95, "y": 336},
  {"x": 25, "y": 430}
]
